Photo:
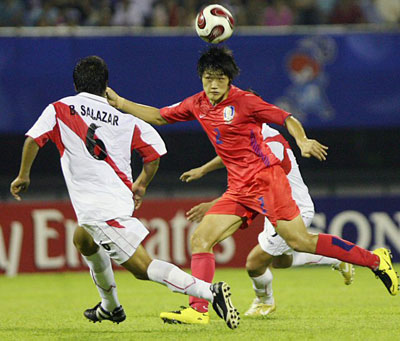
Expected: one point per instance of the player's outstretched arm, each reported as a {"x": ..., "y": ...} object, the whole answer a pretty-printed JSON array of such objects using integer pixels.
[
  {"x": 143, "y": 180},
  {"x": 307, "y": 146},
  {"x": 22, "y": 181},
  {"x": 144, "y": 112},
  {"x": 196, "y": 213},
  {"x": 199, "y": 172}
]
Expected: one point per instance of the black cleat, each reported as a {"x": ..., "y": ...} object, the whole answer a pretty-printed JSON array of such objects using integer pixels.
[
  {"x": 98, "y": 314},
  {"x": 223, "y": 306}
]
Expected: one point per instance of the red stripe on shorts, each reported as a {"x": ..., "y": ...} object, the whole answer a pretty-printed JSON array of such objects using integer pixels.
[{"x": 114, "y": 223}]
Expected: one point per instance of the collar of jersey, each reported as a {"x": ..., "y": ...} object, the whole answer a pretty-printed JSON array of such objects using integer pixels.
[{"x": 95, "y": 97}]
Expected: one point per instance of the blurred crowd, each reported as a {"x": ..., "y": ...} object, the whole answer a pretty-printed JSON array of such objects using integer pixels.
[{"x": 182, "y": 12}]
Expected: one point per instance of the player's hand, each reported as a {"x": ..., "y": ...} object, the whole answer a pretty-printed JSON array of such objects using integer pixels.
[
  {"x": 139, "y": 192},
  {"x": 193, "y": 174},
  {"x": 19, "y": 185},
  {"x": 196, "y": 213},
  {"x": 113, "y": 98},
  {"x": 313, "y": 148}
]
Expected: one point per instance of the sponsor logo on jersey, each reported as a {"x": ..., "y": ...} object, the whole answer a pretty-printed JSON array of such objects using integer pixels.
[{"x": 229, "y": 113}]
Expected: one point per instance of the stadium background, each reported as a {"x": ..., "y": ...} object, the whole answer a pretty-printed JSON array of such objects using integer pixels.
[{"x": 334, "y": 66}]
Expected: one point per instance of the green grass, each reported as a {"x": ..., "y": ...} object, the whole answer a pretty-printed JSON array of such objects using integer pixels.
[{"x": 312, "y": 304}]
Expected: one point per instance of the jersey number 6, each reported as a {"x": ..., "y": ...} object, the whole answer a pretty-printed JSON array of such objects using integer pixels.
[{"x": 95, "y": 147}]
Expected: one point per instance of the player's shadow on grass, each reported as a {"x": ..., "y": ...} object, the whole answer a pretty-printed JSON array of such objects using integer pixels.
[{"x": 57, "y": 332}]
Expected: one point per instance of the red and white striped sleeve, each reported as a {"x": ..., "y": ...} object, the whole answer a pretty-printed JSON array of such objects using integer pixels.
[
  {"x": 43, "y": 128},
  {"x": 147, "y": 142}
]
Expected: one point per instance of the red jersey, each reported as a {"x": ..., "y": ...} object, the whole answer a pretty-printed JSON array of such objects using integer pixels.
[{"x": 234, "y": 128}]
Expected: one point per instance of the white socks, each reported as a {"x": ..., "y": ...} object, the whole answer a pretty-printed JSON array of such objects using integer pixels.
[
  {"x": 301, "y": 258},
  {"x": 262, "y": 286},
  {"x": 103, "y": 276},
  {"x": 177, "y": 280}
]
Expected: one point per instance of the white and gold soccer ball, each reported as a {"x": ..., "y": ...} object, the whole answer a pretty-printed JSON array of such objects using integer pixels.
[{"x": 214, "y": 24}]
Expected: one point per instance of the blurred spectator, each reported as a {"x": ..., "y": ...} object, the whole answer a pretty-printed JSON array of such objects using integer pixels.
[
  {"x": 371, "y": 12},
  {"x": 132, "y": 12},
  {"x": 389, "y": 10},
  {"x": 347, "y": 12},
  {"x": 237, "y": 8},
  {"x": 183, "y": 12},
  {"x": 278, "y": 13},
  {"x": 307, "y": 12},
  {"x": 188, "y": 12},
  {"x": 100, "y": 15},
  {"x": 160, "y": 15},
  {"x": 325, "y": 8},
  {"x": 254, "y": 12},
  {"x": 11, "y": 13}
]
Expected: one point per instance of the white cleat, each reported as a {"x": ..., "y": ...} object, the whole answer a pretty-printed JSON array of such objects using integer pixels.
[
  {"x": 346, "y": 270},
  {"x": 259, "y": 308}
]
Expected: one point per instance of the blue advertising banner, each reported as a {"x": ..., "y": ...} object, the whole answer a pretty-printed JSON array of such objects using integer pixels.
[
  {"x": 369, "y": 222},
  {"x": 327, "y": 81}
]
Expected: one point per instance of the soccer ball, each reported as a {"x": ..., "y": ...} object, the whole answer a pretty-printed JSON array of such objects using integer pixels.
[{"x": 214, "y": 24}]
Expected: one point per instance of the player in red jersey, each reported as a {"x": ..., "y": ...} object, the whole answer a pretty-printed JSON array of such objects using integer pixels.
[
  {"x": 232, "y": 119},
  {"x": 271, "y": 250}
]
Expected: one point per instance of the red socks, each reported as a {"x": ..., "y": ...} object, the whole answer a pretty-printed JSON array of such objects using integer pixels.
[
  {"x": 335, "y": 247},
  {"x": 203, "y": 267}
]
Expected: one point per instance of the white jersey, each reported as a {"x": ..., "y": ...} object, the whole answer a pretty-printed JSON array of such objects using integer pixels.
[
  {"x": 95, "y": 142},
  {"x": 281, "y": 148}
]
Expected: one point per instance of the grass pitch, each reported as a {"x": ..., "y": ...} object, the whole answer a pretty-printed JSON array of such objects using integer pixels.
[{"x": 312, "y": 304}]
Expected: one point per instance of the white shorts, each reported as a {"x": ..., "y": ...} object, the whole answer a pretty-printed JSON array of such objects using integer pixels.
[
  {"x": 119, "y": 237},
  {"x": 272, "y": 243}
]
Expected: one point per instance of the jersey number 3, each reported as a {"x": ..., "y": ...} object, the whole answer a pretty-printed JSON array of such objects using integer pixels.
[{"x": 95, "y": 146}]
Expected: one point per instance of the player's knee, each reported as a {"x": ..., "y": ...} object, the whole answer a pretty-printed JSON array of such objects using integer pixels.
[
  {"x": 84, "y": 243},
  {"x": 251, "y": 263},
  {"x": 200, "y": 243},
  {"x": 254, "y": 266}
]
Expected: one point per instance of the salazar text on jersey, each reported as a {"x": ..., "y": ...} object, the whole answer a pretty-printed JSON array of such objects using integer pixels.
[{"x": 98, "y": 115}]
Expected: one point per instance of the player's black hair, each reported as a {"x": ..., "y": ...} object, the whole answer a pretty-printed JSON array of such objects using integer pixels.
[
  {"x": 218, "y": 59},
  {"x": 91, "y": 75}
]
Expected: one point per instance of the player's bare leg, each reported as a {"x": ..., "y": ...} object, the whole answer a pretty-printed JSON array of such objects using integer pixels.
[
  {"x": 143, "y": 267},
  {"x": 103, "y": 276},
  {"x": 298, "y": 238},
  {"x": 213, "y": 229}
]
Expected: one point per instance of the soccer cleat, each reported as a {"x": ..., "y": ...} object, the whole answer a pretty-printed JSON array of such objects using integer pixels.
[
  {"x": 386, "y": 272},
  {"x": 346, "y": 270},
  {"x": 98, "y": 314},
  {"x": 185, "y": 315},
  {"x": 223, "y": 306},
  {"x": 259, "y": 308}
]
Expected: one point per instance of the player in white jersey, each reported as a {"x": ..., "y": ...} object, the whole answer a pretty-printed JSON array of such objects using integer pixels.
[
  {"x": 272, "y": 250},
  {"x": 95, "y": 142}
]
